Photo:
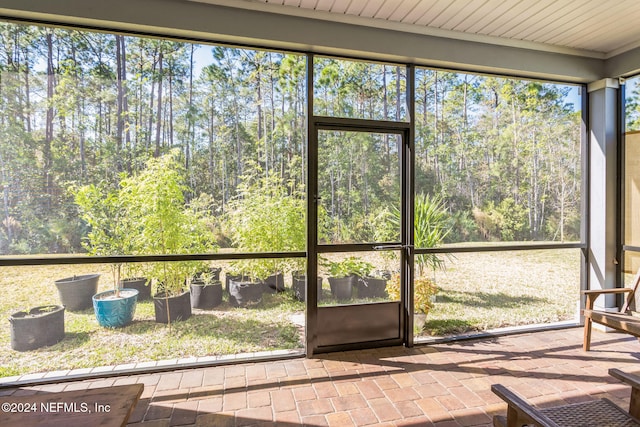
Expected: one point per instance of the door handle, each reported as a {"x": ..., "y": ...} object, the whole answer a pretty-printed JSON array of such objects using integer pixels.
[
  {"x": 395, "y": 246},
  {"x": 388, "y": 247}
]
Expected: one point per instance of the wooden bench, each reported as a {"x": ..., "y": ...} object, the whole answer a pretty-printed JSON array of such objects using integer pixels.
[
  {"x": 626, "y": 320},
  {"x": 593, "y": 413},
  {"x": 105, "y": 406}
]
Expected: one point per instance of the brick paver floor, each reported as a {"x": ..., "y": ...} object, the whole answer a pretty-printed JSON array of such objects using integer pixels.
[{"x": 442, "y": 385}]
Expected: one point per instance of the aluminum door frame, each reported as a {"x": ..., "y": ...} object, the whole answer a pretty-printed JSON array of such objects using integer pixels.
[{"x": 317, "y": 317}]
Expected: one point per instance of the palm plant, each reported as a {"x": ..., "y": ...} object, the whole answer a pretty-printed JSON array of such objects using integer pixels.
[{"x": 431, "y": 227}]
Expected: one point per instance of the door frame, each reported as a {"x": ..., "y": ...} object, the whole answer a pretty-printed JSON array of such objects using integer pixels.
[{"x": 405, "y": 319}]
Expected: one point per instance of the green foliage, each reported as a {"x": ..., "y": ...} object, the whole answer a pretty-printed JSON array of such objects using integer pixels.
[
  {"x": 269, "y": 215},
  {"x": 102, "y": 209},
  {"x": 462, "y": 228},
  {"x": 164, "y": 224},
  {"x": 109, "y": 228},
  {"x": 348, "y": 266},
  {"x": 479, "y": 139},
  {"x": 507, "y": 221},
  {"x": 430, "y": 229},
  {"x": 423, "y": 291}
]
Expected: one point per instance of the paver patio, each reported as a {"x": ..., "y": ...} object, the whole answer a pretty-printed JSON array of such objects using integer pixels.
[{"x": 443, "y": 385}]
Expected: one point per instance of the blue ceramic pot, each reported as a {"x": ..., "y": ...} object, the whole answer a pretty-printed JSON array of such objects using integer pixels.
[{"x": 113, "y": 312}]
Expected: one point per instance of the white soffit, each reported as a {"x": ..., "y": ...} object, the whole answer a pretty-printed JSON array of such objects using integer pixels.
[{"x": 590, "y": 28}]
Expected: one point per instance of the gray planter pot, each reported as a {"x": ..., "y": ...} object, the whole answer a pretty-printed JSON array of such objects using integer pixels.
[
  {"x": 244, "y": 293},
  {"x": 140, "y": 284},
  {"x": 274, "y": 283},
  {"x": 342, "y": 287},
  {"x": 76, "y": 292},
  {"x": 173, "y": 308},
  {"x": 299, "y": 286},
  {"x": 206, "y": 296},
  {"x": 370, "y": 287},
  {"x": 38, "y": 327}
]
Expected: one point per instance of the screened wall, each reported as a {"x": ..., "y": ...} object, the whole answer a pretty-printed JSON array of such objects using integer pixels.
[
  {"x": 630, "y": 193},
  {"x": 134, "y": 156}
]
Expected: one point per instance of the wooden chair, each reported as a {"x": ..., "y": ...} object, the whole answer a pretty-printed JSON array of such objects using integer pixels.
[
  {"x": 595, "y": 413},
  {"x": 626, "y": 320}
]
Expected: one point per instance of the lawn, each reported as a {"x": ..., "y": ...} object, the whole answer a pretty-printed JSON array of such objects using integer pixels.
[
  {"x": 489, "y": 290},
  {"x": 225, "y": 330},
  {"x": 477, "y": 291}
]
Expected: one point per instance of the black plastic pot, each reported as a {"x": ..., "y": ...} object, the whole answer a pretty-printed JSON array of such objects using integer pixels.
[
  {"x": 140, "y": 284},
  {"x": 370, "y": 287},
  {"x": 206, "y": 296},
  {"x": 274, "y": 283},
  {"x": 38, "y": 327},
  {"x": 172, "y": 308},
  {"x": 115, "y": 312},
  {"x": 342, "y": 287},
  {"x": 299, "y": 286},
  {"x": 237, "y": 277},
  {"x": 244, "y": 293},
  {"x": 76, "y": 292}
]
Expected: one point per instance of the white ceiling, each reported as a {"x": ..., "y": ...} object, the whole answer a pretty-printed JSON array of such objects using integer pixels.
[{"x": 594, "y": 28}]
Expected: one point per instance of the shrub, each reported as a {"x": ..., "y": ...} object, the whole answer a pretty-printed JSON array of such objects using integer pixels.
[
  {"x": 349, "y": 266},
  {"x": 423, "y": 291},
  {"x": 163, "y": 223},
  {"x": 268, "y": 215}
]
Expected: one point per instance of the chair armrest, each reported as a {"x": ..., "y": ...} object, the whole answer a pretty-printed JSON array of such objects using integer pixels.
[
  {"x": 525, "y": 412},
  {"x": 634, "y": 382},
  {"x": 592, "y": 295},
  {"x": 630, "y": 379},
  {"x": 607, "y": 291}
]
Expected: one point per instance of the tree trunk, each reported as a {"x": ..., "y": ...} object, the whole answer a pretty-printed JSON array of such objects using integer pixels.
[
  {"x": 48, "y": 138},
  {"x": 125, "y": 104},
  {"x": 119, "y": 103},
  {"x": 159, "y": 111}
]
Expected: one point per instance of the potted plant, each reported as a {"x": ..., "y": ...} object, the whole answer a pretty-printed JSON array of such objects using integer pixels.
[
  {"x": 166, "y": 224},
  {"x": 344, "y": 274},
  {"x": 373, "y": 285},
  {"x": 299, "y": 285},
  {"x": 115, "y": 308},
  {"x": 102, "y": 209},
  {"x": 172, "y": 301},
  {"x": 431, "y": 227},
  {"x": 206, "y": 289},
  {"x": 267, "y": 216},
  {"x": 37, "y": 327},
  {"x": 246, "y": 282},
  {"x": 424, "y": 291}
]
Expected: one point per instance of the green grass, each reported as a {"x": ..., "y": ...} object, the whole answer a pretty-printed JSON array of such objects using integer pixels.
[
  {"x": 477, "y": 291},
  {"x": 480, "y": 291},
  {"x": 224, "y": 330}
]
